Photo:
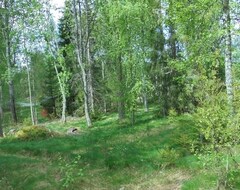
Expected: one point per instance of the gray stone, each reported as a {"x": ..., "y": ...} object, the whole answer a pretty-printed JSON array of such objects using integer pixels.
[{"x": 72, "y": 131}]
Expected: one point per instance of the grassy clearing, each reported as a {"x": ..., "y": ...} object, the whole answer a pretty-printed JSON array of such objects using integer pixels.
[{"x": 153, "y": 154}]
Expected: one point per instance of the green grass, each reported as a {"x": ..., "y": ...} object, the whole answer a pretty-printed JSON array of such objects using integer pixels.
[{"x": 152, "y": 154}]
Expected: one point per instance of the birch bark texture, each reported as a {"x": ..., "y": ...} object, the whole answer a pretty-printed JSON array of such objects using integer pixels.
[
  {"x": 81, "y": 41},
  {"x": 56, "y": 53},
  {"x": 228, "y": 53}
]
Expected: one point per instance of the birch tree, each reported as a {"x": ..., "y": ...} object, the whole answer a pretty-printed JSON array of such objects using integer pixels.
[
  {"x": 82, "y": 46},
  {"x": 9, "y": 34},
  {"x": 58, "y": 62},
  {"x": 228, "y": 53}
]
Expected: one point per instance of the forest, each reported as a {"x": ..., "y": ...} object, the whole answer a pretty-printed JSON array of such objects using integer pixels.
[{"x": 120, "y": 95}]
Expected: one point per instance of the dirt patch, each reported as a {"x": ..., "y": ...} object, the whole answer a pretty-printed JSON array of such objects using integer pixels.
[{"x": 160, "y": 181}]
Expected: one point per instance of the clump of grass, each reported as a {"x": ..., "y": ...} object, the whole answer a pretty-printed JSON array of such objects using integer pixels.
[{"x": 33, "y": 133}]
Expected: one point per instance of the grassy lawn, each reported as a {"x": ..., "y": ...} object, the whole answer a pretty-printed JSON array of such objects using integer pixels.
[{"x": 153, "y": 154}]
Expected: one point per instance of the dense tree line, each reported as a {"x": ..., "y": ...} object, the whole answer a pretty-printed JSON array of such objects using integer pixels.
[
  {"x": 116, "y": 55},
  {"x": 121, "y": 56}
]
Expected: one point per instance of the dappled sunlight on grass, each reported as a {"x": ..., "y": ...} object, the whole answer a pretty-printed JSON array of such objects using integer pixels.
[{"x": 113, "y": 155}]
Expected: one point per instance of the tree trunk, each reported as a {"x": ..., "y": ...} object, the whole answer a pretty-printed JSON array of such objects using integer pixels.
[
  {"x": 90, "y": 91},
  {"x": 35, "y": 105},
  {"x": 12, "y": 101},
  {"x": 89, "y": 59},
  {"x": 79, "y": 51},
  {"x": 7, "y": 31},
  {"x": 30, "y": 97},
  {"x": 228, "y": 53},
  {"x": 63, "y": 94},
  {"x": 173, "y": 42},
  {"x": 145, "y": 100},
  {"x": 64, "y": 107},
  {"x": 104, "y": 97},
  {"x": 10, "y": 83},
  {"x": 121, "y": 101}
]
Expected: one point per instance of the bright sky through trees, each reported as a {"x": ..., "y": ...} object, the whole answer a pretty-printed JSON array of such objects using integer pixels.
[{"x": 58, "y": 4}]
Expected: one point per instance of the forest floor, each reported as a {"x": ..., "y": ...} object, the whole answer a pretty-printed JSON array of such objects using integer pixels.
[{"x": 153, "y": 154}]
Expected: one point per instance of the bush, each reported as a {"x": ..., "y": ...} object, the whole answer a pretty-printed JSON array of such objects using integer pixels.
[
  {"x": 70, "y": 171},
  {"x": 215, "y": 122},
  {"x": 219, "y": 129},
  {"x": 33, "y": 133},
  {"x": 168, "y": 157},
  {"x": 27, "y": 121}
]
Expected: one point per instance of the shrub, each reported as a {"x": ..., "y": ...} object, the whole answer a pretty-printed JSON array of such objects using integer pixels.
[
  {"x": 33, "y": 133},
  {"x": 219, "y": 129},
  {"x": 27, "y": 121},
  {"x": 168, "y": 157},
  {"x": 70, "y": 170},
  {"x": 215, "y": 122}
]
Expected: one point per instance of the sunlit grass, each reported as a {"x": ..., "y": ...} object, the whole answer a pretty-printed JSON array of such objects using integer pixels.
[{"x": 153, "y": 154}]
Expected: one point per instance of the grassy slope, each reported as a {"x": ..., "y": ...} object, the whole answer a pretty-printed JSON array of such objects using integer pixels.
[{"x": 149, "y": 155}]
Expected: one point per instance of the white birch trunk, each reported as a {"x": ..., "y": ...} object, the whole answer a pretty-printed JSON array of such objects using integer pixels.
[
  {"x": 63, "y": 94},
  {"x": 228, "y": 53},
  {"x": 79, "y": 52},
  {"x": 30, "y": 96},
  {"x": 88, "y": 58},
  {"x": 54, "y": 50},
  {"x": 104, "y": 97}
]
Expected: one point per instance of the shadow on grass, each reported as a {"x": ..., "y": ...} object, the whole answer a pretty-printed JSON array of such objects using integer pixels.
[
  {"x": 110, "y": 147},
  {"x": 106, "y": 144}
]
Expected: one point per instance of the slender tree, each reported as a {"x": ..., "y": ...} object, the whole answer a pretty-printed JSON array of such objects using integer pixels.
[
  {"x": 80, "y": 44},
  {"x": 228, "y": 53},
  {"x": 9, "y": 21}
]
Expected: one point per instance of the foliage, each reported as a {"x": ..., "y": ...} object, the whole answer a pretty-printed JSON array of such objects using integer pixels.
[
  {"x": 214, "y": 119},
  {"x": 27, "y": 122},
  {"x": 170, "y": 57},
  {"x": 33, "y": 133},
  {"x": 168, "y": 157},
  {"x": 219, "y": 130},
  {"x": 70, "y": 170}
]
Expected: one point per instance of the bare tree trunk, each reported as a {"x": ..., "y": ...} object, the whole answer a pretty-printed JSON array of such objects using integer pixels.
[
  {"x": 12, "y": 101},
  {"x": 88, "y": 57},
  {"x": 173, "y": 42},
  {"x": 9, "y": 64},
  {"x": 90, "y": 90},
  {"x": 30, "y": 96},
  {"x": 64, "y": 107},
  {"x": 104, "y": 98},
  {"x": 63, "y": 94},
  {"x": 79, "y": 51},
  {"x": 121, "y": 101},
  {"x": 145, "y": 99},
  {"x": 55, "y": 52},
  {"x": 11, "y": 85},
  {"x": 32, "y": 111},
  {"x": 228, "y": 53},
  {"x": 35, "y": 105},
  {"x": 145, "y": 102}
]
